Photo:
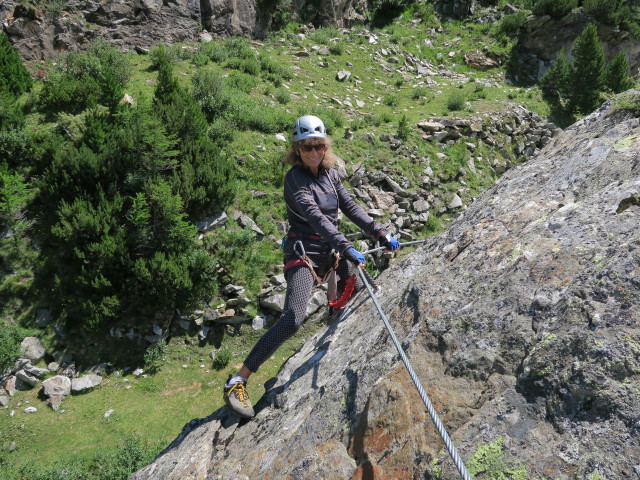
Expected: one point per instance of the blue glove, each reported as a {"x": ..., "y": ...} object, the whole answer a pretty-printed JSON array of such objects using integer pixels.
[
  {"x": 389, "y": 242},
  {"x": 354, "y": 256}
]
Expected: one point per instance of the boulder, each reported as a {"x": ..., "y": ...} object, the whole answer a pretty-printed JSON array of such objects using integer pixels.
[
  {"x": 32, "y": 349},
  {"x": 85, "y": 383},
  {"x": 56, "y": 389}
]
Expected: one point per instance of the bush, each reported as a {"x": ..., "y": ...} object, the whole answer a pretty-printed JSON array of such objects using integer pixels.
[
  {"x": 222, "y": 358},
  {"x": 85, "y": 80},
  {"x": 418, "y": 93},
  {"x": 283, "y": 96},
  {"x": 403, "y": 128},
  {"x": 210, "y": 92},
  {"x": 10, "y": 338},
  {"x": 603, "y": 10},
  {"x": 456, "y": 100},
  {"x": 510, "y": 25},
  {"x": 617, "y": 77},
  {"x": 14, "y": 77},
  {"x": 555, "y": 8},
  {"x": 555, "y": 83},
  {"x": 156, "y": 355}
]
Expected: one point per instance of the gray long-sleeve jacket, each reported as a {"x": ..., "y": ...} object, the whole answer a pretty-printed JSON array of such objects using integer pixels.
[{"x": 312, "y": 209}]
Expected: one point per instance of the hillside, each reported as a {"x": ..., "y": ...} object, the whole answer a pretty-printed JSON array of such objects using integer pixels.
[{"x": 421, "y": 116}]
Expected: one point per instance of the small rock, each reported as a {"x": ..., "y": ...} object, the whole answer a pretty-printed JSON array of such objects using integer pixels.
[
  {"x": 12, "y": 447},
  {"x": 456, "y": 202},
  {"x": 30, "y": 410},
  {"x": 108, "y": 413}
]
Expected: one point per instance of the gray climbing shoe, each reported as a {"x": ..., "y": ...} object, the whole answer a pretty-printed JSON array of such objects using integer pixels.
[{"x": 237, "y": 398}]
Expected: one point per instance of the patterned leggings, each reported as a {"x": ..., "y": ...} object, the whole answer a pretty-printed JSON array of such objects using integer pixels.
[{"x": 299, "y": 285}]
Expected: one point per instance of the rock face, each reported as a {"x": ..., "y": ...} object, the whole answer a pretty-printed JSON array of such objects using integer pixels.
[
  {"x": 522, "y": 322},
  {"x": 39, "y": 33}
]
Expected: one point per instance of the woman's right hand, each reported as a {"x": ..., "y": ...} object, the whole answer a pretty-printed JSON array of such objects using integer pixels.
[{"x": 354, "y": 256}]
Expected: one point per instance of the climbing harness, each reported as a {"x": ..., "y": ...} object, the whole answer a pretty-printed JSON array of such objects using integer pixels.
[
  {"x": 464, "y": 474},
  {"x": 404, "y": 244}
]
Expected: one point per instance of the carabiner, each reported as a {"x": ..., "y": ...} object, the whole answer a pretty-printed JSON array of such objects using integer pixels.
[{"x": 295, "y": 249}]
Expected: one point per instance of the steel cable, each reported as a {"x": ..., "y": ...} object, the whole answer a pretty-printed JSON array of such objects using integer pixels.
[{"x": 464, "y": 474}]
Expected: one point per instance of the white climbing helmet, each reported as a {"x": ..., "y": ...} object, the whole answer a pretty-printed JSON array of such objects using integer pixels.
[{"x": 308, "y": 126}]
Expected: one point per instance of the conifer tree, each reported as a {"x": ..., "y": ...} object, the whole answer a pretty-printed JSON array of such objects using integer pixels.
[
  {"x": 555, "y": 83},
  {"x": 617, "y": 79},
  {"x": 14, "y": 77},
  {"x": 588, "y": 73}
]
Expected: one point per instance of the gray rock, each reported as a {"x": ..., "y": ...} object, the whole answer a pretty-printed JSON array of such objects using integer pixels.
[
  {"x": 32, "y": 349},
  {"x": 30, "y": 410},
  {"x": 246, "y": 222},
  {"x": 456, "y": 202},
  {"x": 273, "y": 302},
  {"x": 4, "y": 399},
  {"x": 421, "y": 206},
  {"x": 84, "y": 383},
  {"x": 35, "y": 371},
  {"x": 212, "y": 222},
  {"x": 343, "y": 75},
  {"x": 27, "y": 378},
  {"x": 259, "y": 322},
  {"x": 317, "y": 301},
  {"x": 58, "y": 385}
]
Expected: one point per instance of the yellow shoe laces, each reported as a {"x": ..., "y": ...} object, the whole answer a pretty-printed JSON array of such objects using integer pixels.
[{"x": 241, "y": 393}]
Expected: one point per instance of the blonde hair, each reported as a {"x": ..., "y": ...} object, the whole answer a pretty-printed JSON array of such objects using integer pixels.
[{"x": 293, "y": 157}]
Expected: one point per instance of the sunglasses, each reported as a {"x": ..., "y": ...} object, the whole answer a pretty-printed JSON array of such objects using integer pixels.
[{"x": 321, "y": 147}]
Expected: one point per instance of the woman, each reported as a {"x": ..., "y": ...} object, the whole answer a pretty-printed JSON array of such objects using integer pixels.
[{"x": 314, "y": 247}]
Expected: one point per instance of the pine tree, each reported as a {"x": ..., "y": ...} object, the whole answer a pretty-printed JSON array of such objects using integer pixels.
[
  {"x": 617, "y": 79},
  {"x": 555, "y": 83},
  {"x": 588, "y": 75},
  {"x": 14, "y": 77}
]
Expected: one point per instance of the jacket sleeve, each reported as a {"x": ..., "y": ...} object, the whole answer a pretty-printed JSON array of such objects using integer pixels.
[
  {"x": 355, "y": 212},
  {"x": 299, "y": 194}
]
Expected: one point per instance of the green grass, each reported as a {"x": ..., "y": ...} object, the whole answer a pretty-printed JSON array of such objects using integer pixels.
[{"x": 154, "y": 408}]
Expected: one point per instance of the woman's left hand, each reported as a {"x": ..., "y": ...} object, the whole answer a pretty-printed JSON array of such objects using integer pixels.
[{"x": 389, "y": 242}]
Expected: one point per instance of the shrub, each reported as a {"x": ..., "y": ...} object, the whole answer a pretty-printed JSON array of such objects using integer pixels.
[
  {"x": 555, "y": 8},
  {"x": 336, "y": 48},
  {"x": 241, "y": 81},
  {"x": 14, "y": 77},
  {"x": 246, "y": 65},
  {"x": 163, "y": 53},
  {"x": 510, "y": 25},
  {"x": 456, "y": 100},
  {"x": 10, "y": 338},
  {"x": 210, "y": 92},
  {"x": 273, "y": 71},
  {"x": 617, "y": 77},
  {"x": 403, "y": 128},
  {"x": 555, "y": 83},
  {"x": 390, "y": 100},
  {"x": 283, "y": 96},
  {"x": 418, "y": 93},
  {"x": 603, "y": 10},
  {"x": 222, "y": 358},
  {"x": 332, "y": 118},
  {"x": 87, "y": 79},
  {"x": 156, "y": 355}
]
